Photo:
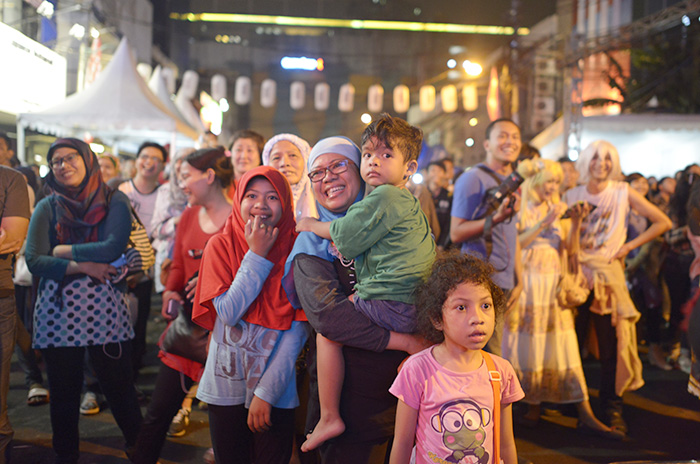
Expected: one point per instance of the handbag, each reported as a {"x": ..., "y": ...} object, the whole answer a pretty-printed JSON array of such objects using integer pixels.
[
  {"x": 184, "y": 338},
  {"x": 572, "y": 290},
  {"x": 139, "y": 253},
  {"x": 22, "y": 276}
]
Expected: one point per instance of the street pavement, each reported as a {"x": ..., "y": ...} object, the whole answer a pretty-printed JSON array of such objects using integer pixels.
[{"x": 664, "y": 422}]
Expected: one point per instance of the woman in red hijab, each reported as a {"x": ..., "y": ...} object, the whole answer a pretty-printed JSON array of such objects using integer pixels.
[{"x": 249, "y": 377}]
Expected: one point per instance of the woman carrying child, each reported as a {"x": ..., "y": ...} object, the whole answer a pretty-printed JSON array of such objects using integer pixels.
[
  {"x": 389, "y": 237},
  {"x": 249, "y": 377},
  {"x": 324, "y": 279},
  {"x": 455, "y": 400}
]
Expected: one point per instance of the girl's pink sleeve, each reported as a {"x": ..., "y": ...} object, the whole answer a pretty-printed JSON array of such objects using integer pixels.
[{"x": 511, "y": 391}]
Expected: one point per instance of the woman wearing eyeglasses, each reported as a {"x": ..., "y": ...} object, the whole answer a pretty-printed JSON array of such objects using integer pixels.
[
  {"x": 319, "y": 279},
  {"x": 205, "y": 177},
  {"x": 74, "y": 235},
  {"x": 288, "y": 154}
]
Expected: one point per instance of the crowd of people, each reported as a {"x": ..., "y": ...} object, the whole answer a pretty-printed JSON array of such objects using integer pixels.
[{"x": 317, "y": 284}]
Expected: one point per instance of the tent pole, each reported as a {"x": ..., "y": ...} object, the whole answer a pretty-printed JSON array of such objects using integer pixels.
[
  {"x": 21, "y": 152},
  {"x": 173, "y": 139}
]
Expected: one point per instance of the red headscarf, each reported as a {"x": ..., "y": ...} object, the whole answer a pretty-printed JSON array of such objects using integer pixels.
[
  {"x": 79, "y": 209},
  {"x": 225, "y": 251}
]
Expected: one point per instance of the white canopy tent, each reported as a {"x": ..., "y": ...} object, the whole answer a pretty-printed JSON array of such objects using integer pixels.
[
  {"x": 118, "y": 107},
  {"x": 159, "y": 88},
  {"x": 651, "y": 144}
]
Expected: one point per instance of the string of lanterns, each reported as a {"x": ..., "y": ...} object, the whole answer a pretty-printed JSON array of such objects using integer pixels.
[{"x": 449, "y": 95}]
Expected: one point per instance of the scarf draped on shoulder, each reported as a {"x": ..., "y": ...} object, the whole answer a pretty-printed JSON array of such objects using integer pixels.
[{"x": 79, "y": 210}]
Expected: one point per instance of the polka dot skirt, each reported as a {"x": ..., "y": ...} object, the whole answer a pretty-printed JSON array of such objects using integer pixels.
[{"x": 81, "y": 313}]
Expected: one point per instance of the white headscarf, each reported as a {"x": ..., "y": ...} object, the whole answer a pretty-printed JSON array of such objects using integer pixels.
[{"x": 304, "y": 203}]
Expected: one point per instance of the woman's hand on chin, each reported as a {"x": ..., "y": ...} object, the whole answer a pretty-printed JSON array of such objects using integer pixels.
[{"x": 260, "y": 236}]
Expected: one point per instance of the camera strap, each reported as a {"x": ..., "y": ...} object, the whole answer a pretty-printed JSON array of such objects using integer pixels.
[{"x": 488, "y": 224}]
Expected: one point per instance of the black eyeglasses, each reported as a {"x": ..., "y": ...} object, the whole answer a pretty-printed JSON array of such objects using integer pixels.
[
  {"x": 338, "y": 167},
  {"x": 70, "y": 158}
]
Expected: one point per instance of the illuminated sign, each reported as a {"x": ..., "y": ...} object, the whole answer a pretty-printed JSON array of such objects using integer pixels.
[
  {"x": 39, "y": 77},
  {"x": 411, "y": 26},
  {"x": 303, "y": 63}
]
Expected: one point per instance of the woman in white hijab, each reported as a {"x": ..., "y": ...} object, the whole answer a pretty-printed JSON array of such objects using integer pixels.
[{"x": 288, "y": 154}]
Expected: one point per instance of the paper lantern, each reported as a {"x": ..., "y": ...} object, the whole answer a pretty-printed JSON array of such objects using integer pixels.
[
  {"x": 427, "y": 98},
  {"x": 243, "y": 91},
  {"x": 218, "y": 87},
  {"x": 448, "y": 95},
  {"x": 297, "y": 95},
  {"x": 183, "y": 100},
  {"x": 144, "y": 70},
  {"x": 346, "y": 98},
  {"x": 268, "y": 93},
  {"x": 322, "y": 96},
  {"x": 402, "y": 98},
  {"x": 190, "y": 81},
  {"x": 493, "y": 101},
  {"x": 470, "y": 99},
  {"x": 375, "y": 98},
  {"x": 169, "y": 76}
]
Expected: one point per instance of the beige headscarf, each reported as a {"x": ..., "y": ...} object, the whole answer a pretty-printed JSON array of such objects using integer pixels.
[{"x": 304, "y": 203}]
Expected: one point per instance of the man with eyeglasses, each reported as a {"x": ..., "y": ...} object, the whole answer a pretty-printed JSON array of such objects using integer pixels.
[{"x": 142, "y": 191}]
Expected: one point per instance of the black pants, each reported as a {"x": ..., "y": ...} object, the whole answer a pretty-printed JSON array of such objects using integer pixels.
[
  {"x": 170, "y": 390},
  {"x": 607, "y": 348},
  {"x": 676, "y": 271},
  {"x": 235, "y": 443},
  {"x": 64, "y": 368},
  {"x": 142, "y": 292}
]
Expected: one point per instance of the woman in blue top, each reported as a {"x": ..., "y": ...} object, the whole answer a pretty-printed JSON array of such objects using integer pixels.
[
  {"x": 74, "y": 234},
  {"x": 319, "y": 279}
]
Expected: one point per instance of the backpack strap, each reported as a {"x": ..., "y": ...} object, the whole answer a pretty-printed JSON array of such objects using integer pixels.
[
  {"x": 495, "y": 378},
  {"x": 490, "y": 172}
]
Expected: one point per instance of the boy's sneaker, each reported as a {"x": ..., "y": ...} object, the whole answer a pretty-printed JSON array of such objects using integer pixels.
[
  {"x": 179, "y": 424},
  {"x": 89, "y": 405}
]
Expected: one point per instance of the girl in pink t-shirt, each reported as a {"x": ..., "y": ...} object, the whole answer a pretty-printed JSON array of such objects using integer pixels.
[{"x": 446, "y": 397}]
